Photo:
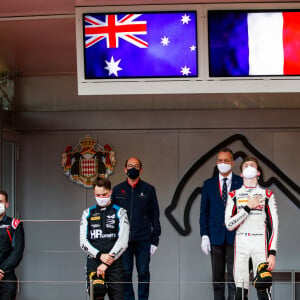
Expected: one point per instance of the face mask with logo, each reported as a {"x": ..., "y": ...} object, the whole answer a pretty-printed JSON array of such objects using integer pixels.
[
  {"x": 133, "y": 173},
  {"x": 2, "y": 208},
  {"x": 102, "y": 201},
  {"x": 224, "y": 168},
  {"x": 249, "y": 172}
]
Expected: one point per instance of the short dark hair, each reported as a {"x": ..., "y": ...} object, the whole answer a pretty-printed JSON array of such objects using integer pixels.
[
  {"x": 4, "y": 194},
  {"x": 140, "y": 162},
  {"x": 227, "y": 150},
  {"x": 102, "y": 182},
  {"x": 249, "y": 158}
]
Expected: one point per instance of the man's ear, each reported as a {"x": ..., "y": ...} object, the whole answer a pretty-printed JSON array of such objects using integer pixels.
[{"x": 6, "y": 205}]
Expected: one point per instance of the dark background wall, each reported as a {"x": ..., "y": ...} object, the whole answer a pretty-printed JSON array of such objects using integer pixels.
[{"x": 169, "y": 143}]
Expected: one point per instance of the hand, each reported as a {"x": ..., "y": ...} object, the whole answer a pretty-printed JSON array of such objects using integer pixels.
[
  {"x": 153, "y": 249},
  {"x": 255, "y": 201},
  {"x": 107, "y": 258},
  {"x": 272, "y": 262},
  {"x": 1, "y": 274},
  {"x": 101, "y": 269},
  {"x": 205, "y": 245}
]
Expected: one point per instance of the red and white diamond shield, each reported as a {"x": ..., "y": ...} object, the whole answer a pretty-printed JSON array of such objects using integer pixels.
[{"x": 87, "y": 167}]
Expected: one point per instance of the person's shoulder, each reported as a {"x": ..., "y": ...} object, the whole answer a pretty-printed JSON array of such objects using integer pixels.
[
  {"x": 237, "y": 191},
  {"x": 88, "y": 210},
  {"x": 119, "y": 210},
  {"x": 116, "y": 207},
  {"x": 146, "y": 185},
  {"x": 211, "y": 180},
  {"x": 15, "y": 223},
  {"x": 268, "y": 192},
  {"x": 119, "y": 185}
]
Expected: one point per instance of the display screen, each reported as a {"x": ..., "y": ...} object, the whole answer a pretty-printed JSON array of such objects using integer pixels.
[
  {"x": 137, "y": 45},
  {"x": 253, "y": 43}
]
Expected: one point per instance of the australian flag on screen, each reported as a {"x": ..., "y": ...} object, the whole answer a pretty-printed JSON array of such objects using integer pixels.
[{"x": 139, "y": 45}]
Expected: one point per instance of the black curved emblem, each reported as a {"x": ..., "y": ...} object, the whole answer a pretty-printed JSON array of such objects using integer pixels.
[{"x": 281, "y": 177}]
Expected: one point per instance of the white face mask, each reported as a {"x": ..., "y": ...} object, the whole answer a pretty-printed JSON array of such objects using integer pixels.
[
  {"x": 249, "y": 172},
  {"x": 2, "y": 208},
  {"x": 224, "y": 168},
  {"x": 102, "y": 201}
]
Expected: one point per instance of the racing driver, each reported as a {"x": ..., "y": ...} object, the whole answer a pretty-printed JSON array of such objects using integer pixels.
[
  {"x": 252, "y": 211},
  {"x": 104, "y": 231}
]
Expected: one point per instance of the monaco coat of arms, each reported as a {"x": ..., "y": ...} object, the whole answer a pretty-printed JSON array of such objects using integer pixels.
[{"x": 87, "y": 160}]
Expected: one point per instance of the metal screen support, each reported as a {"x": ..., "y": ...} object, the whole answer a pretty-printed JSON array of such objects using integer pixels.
[
  {"x": 293, "y": 285},
  {"x": 91, "y": 290}
]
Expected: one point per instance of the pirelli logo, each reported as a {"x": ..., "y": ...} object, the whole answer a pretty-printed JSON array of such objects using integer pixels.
[
  {"x": 95, "y": 218},
  {"x": 242, "y": 201},
  {"x": 98, "y": 281},
  {"x": 265, "y": 274}
]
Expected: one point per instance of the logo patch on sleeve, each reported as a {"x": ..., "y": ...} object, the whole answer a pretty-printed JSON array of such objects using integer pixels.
[{"x": 15, "y": 223}]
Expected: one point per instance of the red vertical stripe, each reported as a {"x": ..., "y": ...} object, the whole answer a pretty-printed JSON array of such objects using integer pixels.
[
  {"x": 271, "y": 220},
  {"x": 291, "y": 43},
  {"x": 9, "y": 235}
]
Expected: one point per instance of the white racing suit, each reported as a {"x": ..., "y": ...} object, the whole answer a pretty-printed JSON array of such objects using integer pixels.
[{"x": 256, "y": 233}]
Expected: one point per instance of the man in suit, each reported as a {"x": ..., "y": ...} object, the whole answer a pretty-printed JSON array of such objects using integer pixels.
[{"x": 216, "y": 239}]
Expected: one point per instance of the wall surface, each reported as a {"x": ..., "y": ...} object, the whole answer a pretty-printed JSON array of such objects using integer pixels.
[{"x": 168, "y": 143}]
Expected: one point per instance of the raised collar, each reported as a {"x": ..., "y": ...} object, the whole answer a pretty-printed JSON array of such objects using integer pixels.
[{"x": 133, "y": 186}]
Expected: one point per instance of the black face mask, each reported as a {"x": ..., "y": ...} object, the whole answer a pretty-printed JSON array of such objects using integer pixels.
[{"x": 133, "y": 173}]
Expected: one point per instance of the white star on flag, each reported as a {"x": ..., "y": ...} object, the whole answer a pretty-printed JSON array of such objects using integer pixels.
[
  {"x": 185, "y": 71},
  {"x": 165, "y": 41},
  {"x": 113, "y": 66},
  {"x": 193, "y": 48},
  {"x": 185, "y": 19}
]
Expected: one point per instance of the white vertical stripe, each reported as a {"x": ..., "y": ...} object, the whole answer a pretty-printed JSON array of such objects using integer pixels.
[{"x": 265, "y": 43}]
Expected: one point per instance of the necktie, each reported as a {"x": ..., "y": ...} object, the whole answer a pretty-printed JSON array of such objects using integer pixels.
[{"x": 224, "y": 191}]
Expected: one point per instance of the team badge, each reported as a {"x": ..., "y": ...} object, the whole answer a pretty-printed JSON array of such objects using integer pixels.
[{"x": 87, "y": 160}]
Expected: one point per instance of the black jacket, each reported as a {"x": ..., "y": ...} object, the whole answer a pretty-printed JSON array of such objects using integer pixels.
[
  {"x": 11, "y": 243},
  {"x": 141, "y": 204}
]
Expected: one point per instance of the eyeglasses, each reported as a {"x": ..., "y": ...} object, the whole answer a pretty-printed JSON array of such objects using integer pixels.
[{"x": 133, "y": 166}]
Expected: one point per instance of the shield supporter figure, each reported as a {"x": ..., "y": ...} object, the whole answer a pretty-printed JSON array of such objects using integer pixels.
[{"x": 87, "y": 160}]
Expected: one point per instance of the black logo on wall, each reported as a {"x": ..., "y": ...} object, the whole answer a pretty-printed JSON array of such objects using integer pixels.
[{"x": 281, "y": 181}]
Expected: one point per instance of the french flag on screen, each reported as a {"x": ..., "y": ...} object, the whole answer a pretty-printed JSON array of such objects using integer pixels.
[{"x": 254, "y": 43}]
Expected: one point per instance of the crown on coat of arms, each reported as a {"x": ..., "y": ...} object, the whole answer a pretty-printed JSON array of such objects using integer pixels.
[
  {"x": 88, "y": 160},
  {"x": 87, "y": 142}
]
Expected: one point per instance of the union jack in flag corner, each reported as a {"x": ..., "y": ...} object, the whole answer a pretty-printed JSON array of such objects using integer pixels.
[{"x": 135, "y": 45}]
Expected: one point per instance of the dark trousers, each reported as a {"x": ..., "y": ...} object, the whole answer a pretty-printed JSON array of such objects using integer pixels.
[
  {"x": 114, "y": 277},
  {"x": 222, "y": 256},
  {"x": 140, "y": 250},
  {"x": 261, "y": 295},
  {"x": 8, "y": 289}
]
